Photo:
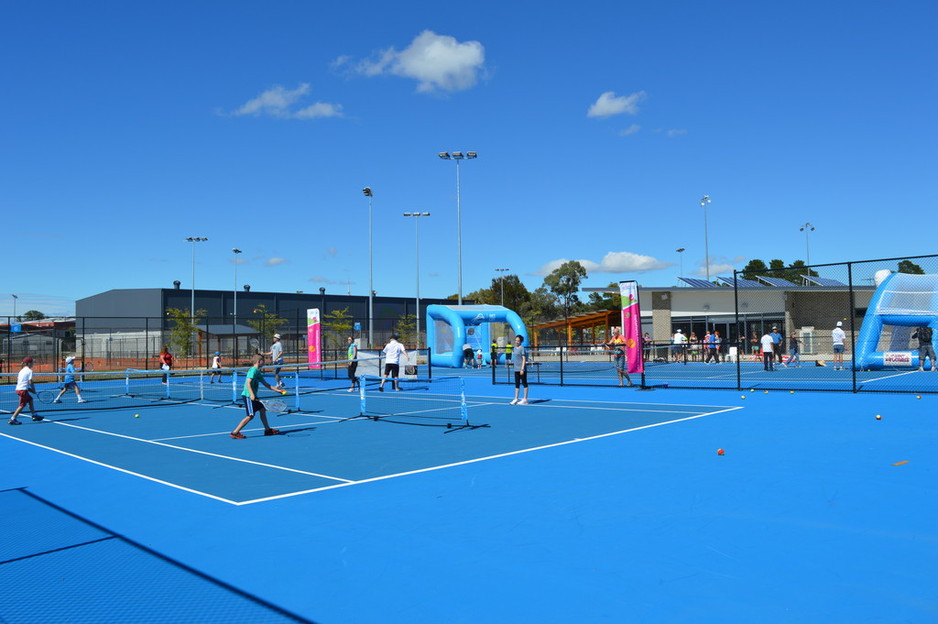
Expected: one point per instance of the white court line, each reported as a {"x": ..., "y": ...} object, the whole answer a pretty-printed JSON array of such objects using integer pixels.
[
  {"x": 481, "y": 459},
  {"x": 604, "y": 409},
  {"x": 888, "y": 377},
  {"x": 125, "y": 471},
  {"x": 216, "y": 455}
]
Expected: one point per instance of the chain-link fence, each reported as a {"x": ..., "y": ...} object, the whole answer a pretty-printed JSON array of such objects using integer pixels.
[
  {"x": 118, "y": 343},
  {"x": 868, "y": 326}
]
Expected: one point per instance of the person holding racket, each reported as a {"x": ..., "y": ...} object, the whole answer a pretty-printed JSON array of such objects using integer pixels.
[
  {"x": 393, "y": 352},
  {"x": 353, "y": 363},
  {"x": 253, "y": 405},
  {"x": 166, "y": 363},
  {"x": 68, "y": 382},
  {"x": 216, "y": 368},
  {"x": 24, "y": 390},
  {"x": 276, "y": 359}
]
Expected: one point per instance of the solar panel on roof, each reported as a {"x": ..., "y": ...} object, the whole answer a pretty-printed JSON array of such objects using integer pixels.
[
  {"x": 775, "y": 281},
  {"x": 823, "y": 281},
  {"x": 743, "y": 283},
  {"x": 697, "y": 283}
]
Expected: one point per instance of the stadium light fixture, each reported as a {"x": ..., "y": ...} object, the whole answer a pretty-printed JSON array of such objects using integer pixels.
[
  {"x": 458, "y": 156},
  {"x": 501, "y": 279},
  {"x": 703, "y": 204},
  {"x": 807, "y": 227},
  {"x": 417, "y": 249},
  {"x": 680, "y": 251},
  {"x": 367, "y": 192},
  {"x": 194, "y": 240}
]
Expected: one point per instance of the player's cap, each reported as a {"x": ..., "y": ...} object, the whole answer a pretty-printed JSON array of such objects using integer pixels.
[
  {"x": 840, "y": 323},
  {"x": 218, "y": 353},
  {"x": 679, "y": 331},
  {"x": 277, "y": 336},
  {"x": 27, "y": 360},
  {"x": 70, "y": 359}
]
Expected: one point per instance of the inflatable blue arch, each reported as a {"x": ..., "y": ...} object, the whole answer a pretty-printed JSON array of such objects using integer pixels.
[
  {"x": 450, "y": 327},
  {"x": 905, "y": 302}
]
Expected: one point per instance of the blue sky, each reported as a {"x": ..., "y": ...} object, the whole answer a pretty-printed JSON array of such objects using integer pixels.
[{"x": 127, "y": 126}]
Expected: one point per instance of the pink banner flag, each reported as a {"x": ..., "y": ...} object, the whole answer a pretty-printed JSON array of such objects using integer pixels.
[
  {"x": 313, "y": 337},
  {"x": 632, "y": 326}
]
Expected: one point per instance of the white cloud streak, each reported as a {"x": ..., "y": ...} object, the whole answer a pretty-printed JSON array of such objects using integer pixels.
[
  {"x": 436, "y": 62},
  {"x": 613, "y": 262},
  {"x": 609, "y": 105},
  {"x": 279, "y": 101}
]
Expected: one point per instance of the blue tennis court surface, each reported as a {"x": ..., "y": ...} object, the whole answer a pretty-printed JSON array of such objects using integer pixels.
[{"x": 590, "y": 504}]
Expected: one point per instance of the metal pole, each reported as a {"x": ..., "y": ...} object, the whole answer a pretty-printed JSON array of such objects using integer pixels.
[
  {"x": 703, "y": 202},
  {"x": 501, "y": 279},
  {"x": 371, "y": 288},
  {"x": 458, "y": 234},
  {"x": 234, "y": 310}
]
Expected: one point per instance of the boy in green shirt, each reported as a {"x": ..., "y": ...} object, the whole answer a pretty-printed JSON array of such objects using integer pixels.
[{"x": 251, "y": 403}]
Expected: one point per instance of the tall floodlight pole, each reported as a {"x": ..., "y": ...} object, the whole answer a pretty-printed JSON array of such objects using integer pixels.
[
  {"x": 371, "y": 288},
  {"x": 501, "y": 280},
  {"x": 703, "y": 204},
  {"x": 458, "y": 156},
  {"x": 234, "y": 307},
  {"x": 417, "y": 249},
  {"x": 807, "y": 227},
  {"x": 14, "y": 306},
  {"x": 680, "y": 252},
  {"x": 194, "y": 240}
]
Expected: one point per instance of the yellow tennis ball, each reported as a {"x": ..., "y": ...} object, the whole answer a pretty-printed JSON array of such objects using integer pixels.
[{"x": 136, "y": 415}]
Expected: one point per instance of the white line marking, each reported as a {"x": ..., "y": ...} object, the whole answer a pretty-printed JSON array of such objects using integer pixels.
[
  {"x": 182, "y": 448},
  {"x": 125, "y": 471},
  {"x": 481, "y": 459}
]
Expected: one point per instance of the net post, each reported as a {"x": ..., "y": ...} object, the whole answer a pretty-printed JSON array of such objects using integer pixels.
[
  {"x": 463, "y": 408},
  {"x": 296, "y": 389},
  {"x": 234, "y": 386},
  {"x": 126, "y": 382}
]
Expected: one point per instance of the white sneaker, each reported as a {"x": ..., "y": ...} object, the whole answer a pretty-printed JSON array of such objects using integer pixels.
[
  {"x": 351, "y": 389},
  {"x": 56, "y": 400},
  {"x": 523, "y": 402},
  {"x": 82, "y": 401},
  {"x": 514, "y": 402}
]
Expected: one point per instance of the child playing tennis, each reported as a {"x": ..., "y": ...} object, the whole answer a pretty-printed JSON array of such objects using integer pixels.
[
  {"x": 251, "y": 403},
  {"x": 24, "y": 390},
  {"x": 216, "y": 368},
  {"x": 68, "y": 382}
]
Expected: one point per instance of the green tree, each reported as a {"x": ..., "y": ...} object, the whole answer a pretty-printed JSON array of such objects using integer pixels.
[
  {"x": 905, "y": 266},
  {"x": 32, "y": 315},
  {"x": 564, "y": 282},
  {"x": 183, "y": 331},
  {"x": 266, "y": 323},
  {"x": 605, "y": 300},
  {"x": 338, "y": 324},
  {"x": 515, "y": 293},
  {"x": 406, "y": 329},
  {"x": 542, "y": 305},
  {"x": 755, "y": 267}
]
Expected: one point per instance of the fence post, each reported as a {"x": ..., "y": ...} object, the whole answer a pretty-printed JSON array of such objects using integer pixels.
[{"x": 853, "y": 346}]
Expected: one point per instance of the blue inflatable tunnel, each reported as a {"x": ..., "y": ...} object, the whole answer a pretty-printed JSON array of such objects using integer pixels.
[
  {"x": 451, "y": 327},
  {"x": 902, "y": 302}
]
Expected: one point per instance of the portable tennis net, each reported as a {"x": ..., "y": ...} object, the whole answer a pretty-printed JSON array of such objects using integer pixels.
[{"x": 440, "y": 401}]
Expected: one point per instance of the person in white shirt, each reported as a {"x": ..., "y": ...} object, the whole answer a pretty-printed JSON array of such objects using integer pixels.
[
  {"x": 216, "y": 368},
  {"x": 393, "y": 352},
  {"x": 837, "y": 338},
  {"x": 679, "y": 342},
  {"x": 276, "y": 359},
  {"x": 768, "y": 352},
  {"x": 24, "y": 390}
]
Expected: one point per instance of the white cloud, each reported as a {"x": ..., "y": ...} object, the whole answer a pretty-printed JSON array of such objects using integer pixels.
[
  {"x": 630, "y": 130},
  {"x": 279, "y": 101},
  {"x": 434, "y": 61},
  {"x": 613, "y": 262},
  {"x": 608, "y": 104},
  {"x": 319, "y": 279},
  {"x": 719, "y": 265},
  {"x": 274, "y": 261},
  {"x": 676, "y": 132}
]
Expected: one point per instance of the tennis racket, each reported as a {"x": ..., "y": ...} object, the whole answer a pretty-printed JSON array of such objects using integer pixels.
[
  {"x": 275, "y": 405},
  {"x": 45, "y": 396},
  {"x": 256, "y": 345},
  {"x": 87, "y": 367}
]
